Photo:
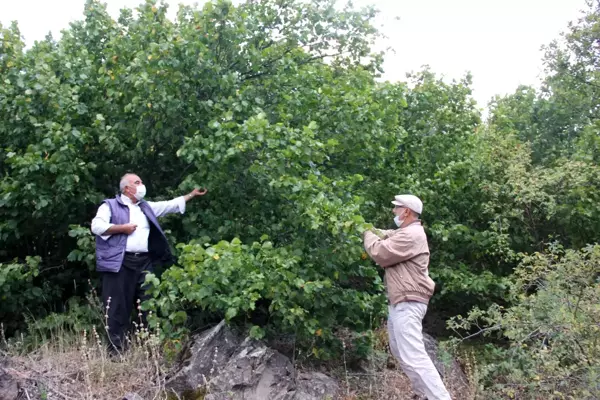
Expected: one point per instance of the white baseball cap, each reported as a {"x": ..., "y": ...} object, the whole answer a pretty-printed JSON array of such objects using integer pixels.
[{"x": 409, "y": 201}]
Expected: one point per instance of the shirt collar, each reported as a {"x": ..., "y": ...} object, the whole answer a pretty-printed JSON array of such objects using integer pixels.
[{"x": 127, "y": 201}]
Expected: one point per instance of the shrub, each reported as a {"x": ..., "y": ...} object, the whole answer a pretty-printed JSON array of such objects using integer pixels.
[{"x": 552, "y": 330}]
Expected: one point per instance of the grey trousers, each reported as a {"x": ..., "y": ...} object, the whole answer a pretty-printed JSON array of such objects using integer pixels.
[{"x": 406, "y": 342}]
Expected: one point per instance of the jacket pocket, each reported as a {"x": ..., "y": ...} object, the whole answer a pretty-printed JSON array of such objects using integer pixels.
[
  {"x": 408, "y": 282},
  {"x": 110, "y": 253}
]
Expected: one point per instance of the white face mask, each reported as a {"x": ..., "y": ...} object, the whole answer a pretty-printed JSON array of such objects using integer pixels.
[
  {"x": 140, "y": 192},
  {"x": 398, "y": 221}
]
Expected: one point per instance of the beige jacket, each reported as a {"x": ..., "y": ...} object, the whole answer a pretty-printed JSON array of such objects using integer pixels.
[{"x": 404, "y": 254}]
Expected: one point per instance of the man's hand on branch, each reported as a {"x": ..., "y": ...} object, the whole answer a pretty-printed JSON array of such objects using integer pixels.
[{"x": 194, "y": 193}]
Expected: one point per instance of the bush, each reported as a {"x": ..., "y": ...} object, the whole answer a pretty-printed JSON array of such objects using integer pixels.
[
  {"x": 18, "y": 292},
  {"x": 552, "y": 330},
  {"x": 277, "y": 108},
  {"x": 268, "y": 289}
]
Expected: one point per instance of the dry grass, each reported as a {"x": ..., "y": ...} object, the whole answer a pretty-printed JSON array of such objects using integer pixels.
[
  {"x": 380, "y": 377},
  {"x": 79, "y": 367},
  {"x": 386, "y": 384},
  {"x": 390, "y": 384}
]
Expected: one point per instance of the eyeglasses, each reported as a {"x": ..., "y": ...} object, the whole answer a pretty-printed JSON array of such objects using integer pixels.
[{"x": 397, "y": 206}]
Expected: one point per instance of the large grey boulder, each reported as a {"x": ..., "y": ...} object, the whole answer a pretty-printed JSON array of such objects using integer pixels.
[
  {"x": 253, "y": 372},
  {"x": 315, "y": 385},
  {"x": 226, "y": 366},
  {"x": 201, "y": 360},
  {"x": 451, "y": 372}
]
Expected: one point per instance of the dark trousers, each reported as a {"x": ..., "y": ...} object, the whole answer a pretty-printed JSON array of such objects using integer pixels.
[{"x": 123, "y": 289}]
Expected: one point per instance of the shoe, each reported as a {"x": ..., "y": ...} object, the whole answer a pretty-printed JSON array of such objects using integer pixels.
[{"x": 114, "y": 354}]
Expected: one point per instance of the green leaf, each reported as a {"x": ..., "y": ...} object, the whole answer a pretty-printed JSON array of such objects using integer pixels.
[
  {"x": 231, "y": 313},
  {"x": 178, "y": 317}
]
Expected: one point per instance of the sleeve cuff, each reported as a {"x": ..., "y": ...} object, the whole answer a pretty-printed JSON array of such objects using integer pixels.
[
  {"x": 181, "y": 204},
  {"x": 368, "y": 237},
  {"x": 106, "y": 237}
]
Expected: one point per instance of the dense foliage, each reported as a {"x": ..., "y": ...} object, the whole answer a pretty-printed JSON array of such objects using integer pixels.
[
  {"x": 277, "y": 108},
  {"x": 553, "y": 328}
]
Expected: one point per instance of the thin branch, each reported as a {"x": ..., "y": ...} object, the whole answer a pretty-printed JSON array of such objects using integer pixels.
[
  {"x": 531, "y": 335},
  {"x": 481, "y": 331},
  {"x": 268, "y": 64},
  {"x": 578, "y": 301},
  {"x": 319, "y": 57},
  {"x": 304, "y": 62}
]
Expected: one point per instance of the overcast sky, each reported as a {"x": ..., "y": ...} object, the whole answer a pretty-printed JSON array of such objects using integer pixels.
[{"x": 498, "y": 41}]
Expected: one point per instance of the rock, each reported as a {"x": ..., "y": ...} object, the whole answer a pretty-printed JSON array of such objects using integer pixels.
[
  {"x": 452, "y": 374},
  {"x": 253, "y": 372},
  {"x": 9, "y": 385},
  {"x": 223, "y": 365},
  {"x": 207, "y": 352},
  {"x": 315, "y": 386}
]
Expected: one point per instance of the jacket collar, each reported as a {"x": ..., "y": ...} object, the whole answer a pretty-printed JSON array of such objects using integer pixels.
[{"x": 418, "y": 221}]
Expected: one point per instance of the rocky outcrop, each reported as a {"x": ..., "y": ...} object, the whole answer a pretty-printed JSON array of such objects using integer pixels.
[
  {"x": 225, "y": 365},
  {"x": 450, "y": 371},
  {"x": 314, "y": 385}
]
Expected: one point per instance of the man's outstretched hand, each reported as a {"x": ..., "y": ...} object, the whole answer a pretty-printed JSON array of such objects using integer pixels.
[
  {"x": 199, "y": 192},
  {"x": 194, "y": 193}
]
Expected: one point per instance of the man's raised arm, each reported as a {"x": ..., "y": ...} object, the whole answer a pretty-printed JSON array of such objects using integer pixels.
[
  {"x": 390, "y": 251},
  {"x": 177, "y": 204}
]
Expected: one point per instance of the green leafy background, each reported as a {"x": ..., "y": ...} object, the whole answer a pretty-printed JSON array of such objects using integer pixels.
[{"x": 277, "y": 107}]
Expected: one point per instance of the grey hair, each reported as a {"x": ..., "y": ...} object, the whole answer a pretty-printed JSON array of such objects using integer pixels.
[{"x": 124, "y": 181}]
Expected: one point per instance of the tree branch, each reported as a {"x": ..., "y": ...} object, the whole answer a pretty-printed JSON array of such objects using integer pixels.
[{"x": 481, "y": 331}]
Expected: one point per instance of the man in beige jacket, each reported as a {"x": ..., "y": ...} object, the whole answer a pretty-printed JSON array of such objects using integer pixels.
[{"x": 404, "y": 254}]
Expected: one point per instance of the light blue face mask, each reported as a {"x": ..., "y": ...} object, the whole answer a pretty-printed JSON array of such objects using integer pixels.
[{"x": 398, "y": 221}]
